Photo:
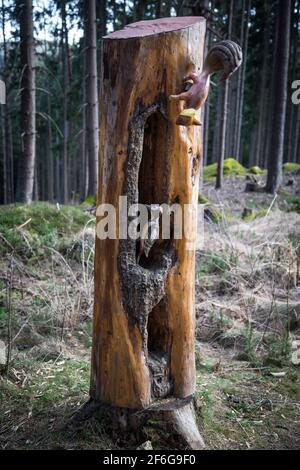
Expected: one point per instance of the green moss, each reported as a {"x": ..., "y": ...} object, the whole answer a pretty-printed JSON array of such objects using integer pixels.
[
  {"x": 212, "y": 264},
  {"x": 210, "y": 209},
  {"x": 289, "y": 166},
  {"x": 256, "y": 170},
  {"x": 293, "y": 202},
  {"x": 231, "y": 167},
  {"x": 203, "y": 199},
  {"x": 44, "y": 225},
  {"x": 89, "y": 200},
  {"x": 256, "y": 215}
]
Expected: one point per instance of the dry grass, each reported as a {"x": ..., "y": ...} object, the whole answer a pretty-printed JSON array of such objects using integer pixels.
[{"x": 247, "y": 308}]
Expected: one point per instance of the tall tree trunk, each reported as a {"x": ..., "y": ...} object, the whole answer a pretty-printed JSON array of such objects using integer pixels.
[
  {"x": 167, "y": 8},
  {"x": 262, "y": 94},
  {"x": 292, "y": 109},
  {"x": 274, "y": 178},
  {"x": 221, "y": 157},
  {"x": 50, "y": 179},
  {"x": 217, "y": 128},
  {"x": 4, "y": 155},
  {"x": 159, "y": 9},
  {"x": 241, "y": 100},
  {"x": 3, "y": 113},
  {"x": 84, "y": 172},
  {"x": 206, "y": 109},
  {"x": 58, "y": 167},
  {"x": 65, "y": 72},
  {"x": 124, "y": 15},
  {"x": 9, "y": 154},
  {"x": 101, "y": 13},
  {"x": 206, "y": 131},
  {"x": 92, "y": 119},
  {"x": 139, "y": 9},
  {"x": 114, "y": 10},
  {"x": 28, "y": 121},
  {"x": 296, "y": 154},
  {"x": 239, "y": 85}
]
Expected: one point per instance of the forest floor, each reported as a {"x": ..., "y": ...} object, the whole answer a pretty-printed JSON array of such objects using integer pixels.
[{"x": 247, "y": 310}]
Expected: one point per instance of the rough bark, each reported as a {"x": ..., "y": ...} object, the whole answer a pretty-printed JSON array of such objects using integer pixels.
[
  {"x": 238, "y": 151},
  {"x": 296, "y": 154},
  {"x": 28, "y": 122},
  {"x": 223, "y": 124},
  {"x": 50, "y": 159},
  {"x": 239, "y": 87},
  {"x": 92, "y": 119},
  {"x": 66, "y": 76},
  {"x": 101, "y": 14},
  {"x": 262, "y": 97},
  {"x": 143, "y": 330},
  {"x": 280, "y": 96},
  {"x": 8, "y": 158},
  {"x": 291, "y": 127},
  {"x": 4, "y": 160},
  {"x": 217, "y": 127}
]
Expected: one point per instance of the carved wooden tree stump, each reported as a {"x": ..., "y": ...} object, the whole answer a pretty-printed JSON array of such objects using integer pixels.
[{"x": 143, "y": 361}]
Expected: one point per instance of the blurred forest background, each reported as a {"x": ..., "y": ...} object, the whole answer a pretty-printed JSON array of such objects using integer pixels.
[{"x": 48, "y": 61}]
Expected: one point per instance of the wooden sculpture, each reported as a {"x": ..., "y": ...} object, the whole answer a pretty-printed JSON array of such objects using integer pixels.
[
  {"x": 143, "y": 358},
  {"x": 226, "y": 56}
]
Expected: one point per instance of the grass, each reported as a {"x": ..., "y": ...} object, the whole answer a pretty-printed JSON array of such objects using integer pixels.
[
  {"x": 255, "y": 215},
  {"x": 243, "y": 408},
  {"x": 27, "y": 228},
  {"x": 293, "y": 202},
  {"x": 52, "y": 296},
  {"x": 212, "y": 264},
  {"x": 38, "y": 400}
]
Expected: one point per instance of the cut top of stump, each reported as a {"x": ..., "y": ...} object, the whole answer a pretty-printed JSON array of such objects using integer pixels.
[{"x": 151, "y": 27}]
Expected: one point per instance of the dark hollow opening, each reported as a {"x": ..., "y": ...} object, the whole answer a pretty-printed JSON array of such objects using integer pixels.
[
  {"x": 152, "y": 172},
  {"x": 152, "y": 183},
  {"x": 153, "y": 189},
  {"x": 159, "y": 343}
]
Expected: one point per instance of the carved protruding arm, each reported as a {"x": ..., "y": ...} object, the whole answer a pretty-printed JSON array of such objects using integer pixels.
[{"x": 226, "y": 56}]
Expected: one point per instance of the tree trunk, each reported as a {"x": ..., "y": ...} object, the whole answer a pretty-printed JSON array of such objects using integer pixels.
[
  {"x": 217, "y": 128},
  {"x": 139, "y": 9},
  {"x": 66, "y": 76},
  {"x": 144, "y": 323},
  {"x": 27, "y": 160},
  {"x": 84, "y": 172},
  {"x": 92, "y": 120},
  {"x": 241, "y": 100},
  {"x": 50, "y": 169},
  {"x": 221, "y": 154},
  {"x": 223, "y": 124},
  {"x": 239, "y": 86},
  {"x": 4, "y": 160},
  {"x": 280, "y": 96},
  {"x": 101, "y": 13},
  {"x": 262, "y": 95},
  {"x": 296, "y": 155},
  {"x": 292, "y": 109},
  {"x": 6, "y": 127},
  {"x": 206, "y": 110}
]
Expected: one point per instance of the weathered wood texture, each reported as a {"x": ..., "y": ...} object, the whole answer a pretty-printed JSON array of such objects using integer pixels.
[{"x": 143, "y": 332}]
